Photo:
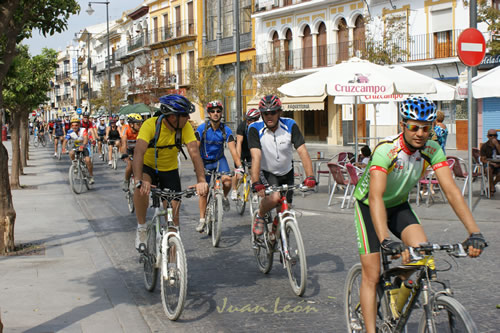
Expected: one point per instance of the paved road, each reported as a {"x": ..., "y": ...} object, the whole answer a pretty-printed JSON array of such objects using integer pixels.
[{"x": 227, "y": 293}]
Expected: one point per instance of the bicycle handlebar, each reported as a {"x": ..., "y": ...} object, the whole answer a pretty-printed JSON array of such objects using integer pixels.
[
  {"x": 456, "y": 250},
  {"x": 285, "y": 188},
  {"x": 166, "y": 193}
]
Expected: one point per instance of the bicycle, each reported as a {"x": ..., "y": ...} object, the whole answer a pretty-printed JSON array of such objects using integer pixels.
[
  {"x": 79, "y": 173},
  {"x": 42, "y": 140},
  {"x": 214, "y": 210},
  {"x": 104, "y": 152},
  {"x": 288, "y": 241},
  {"x": 129, "y": 194},
  {"x": 114, "y": 154},
  {"x": 165, "y": 253},
  {"x": 35, "y": 138},
  {"x": 396, "y": 299},
  {"x": 244, "y": 192}
]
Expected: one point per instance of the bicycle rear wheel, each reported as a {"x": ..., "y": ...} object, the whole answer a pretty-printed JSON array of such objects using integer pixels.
[
  {"x": 149, "y": 259},
  {"x": 75, "y": 178},
  {"x": 217, "y": 220},
  {"x": 43, "y": 141},
  {"x": 85, "y": 174},
  {"x": 240, "y": 197},
  {"x": 174, "y": 279},
  {"x": 448, "y": 315},
  {"x": 296, "y": 265},
  {"x": 114, "y": 157},
  {"x": 253, "y": 199},
  {"x": 35, "y": 142},
  {"x": 261, "y": 249},
  {"x": 59, "y": 148},
  {"x": 130, "y": 197}
]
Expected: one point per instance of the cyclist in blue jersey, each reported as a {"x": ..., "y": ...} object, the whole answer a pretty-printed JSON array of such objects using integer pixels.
[
  {"x": 396, "y": 165},
  {"x": 212, "y": 137},
  {"x": 271, "y": 142}
]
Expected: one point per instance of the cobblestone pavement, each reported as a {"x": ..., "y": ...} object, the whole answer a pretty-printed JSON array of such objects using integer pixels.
[{"x": 226, "y": 291}]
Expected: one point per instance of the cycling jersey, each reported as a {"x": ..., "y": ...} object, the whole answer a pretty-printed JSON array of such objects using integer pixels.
[
  {"x": 101, "y": 130},
  {"x": 67, "y": 125},
  {"x": 245, "y": 151},
  {"x": 87, "y": 125},
  {"x": 124, "y": 128},
  {"x": 59, "y": 129},
  {"x": 114, "y": 134},
  {"x": 167, "y": 157},
  {"x": 276, "y": 147},
  {"x": 212, "y": 142},
  {"x": 76, "y": 137},
  {"x": 403, "y": 167}
]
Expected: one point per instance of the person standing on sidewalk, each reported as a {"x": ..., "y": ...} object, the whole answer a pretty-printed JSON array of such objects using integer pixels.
[{"x": 491, "y": 150}]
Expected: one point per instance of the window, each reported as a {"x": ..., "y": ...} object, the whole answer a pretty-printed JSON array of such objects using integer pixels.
[
  {"x": 343, "y": 38},
  {"x": 322, "y": 47},
  {"x": 155, "y": 29},
  {"x": 167, "y": 66},
  {"x": 246, "y": 17},
  {"x": 442, "y": 21},
  {"x": 359, "y": 36},
  {"x": 288, "y": 50},
  {"x": 495, "y": 4},
  {"x": 212, "y": 20},
  {"x": 166, "y": 28},
  {"x": 227, "y": 18},
  {"x": 190, "y": 18},
  {"x": 276, "y": 51},
  {"x": 179, "y": 69},
  {"x": 307, "y": 48},
  {"x": 177, "y": 21},
  {"x": 117, "y": 80}
]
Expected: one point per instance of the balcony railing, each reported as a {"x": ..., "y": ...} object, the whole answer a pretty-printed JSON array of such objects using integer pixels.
[
  {"x": 415, "y": 48},
  {"x": 175, "y": 30},
  {"x": 137, "y": 42},
  {"x": 226, "y": 44}
]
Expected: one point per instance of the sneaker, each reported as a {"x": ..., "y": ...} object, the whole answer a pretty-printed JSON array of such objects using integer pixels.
[
  {"x": 55, "y": 154},
  {"x": 140, "y": 237},
  {"x": 201, "y": 225},
  {"x": 225, "y": 204},
  {"x": 258, "y": 225},
  {"x": 125, "y": 185},
  {"x": 234, "y": 195},
  {"x": 91, "y": 181},
  {"x": 109, "y": 163}
]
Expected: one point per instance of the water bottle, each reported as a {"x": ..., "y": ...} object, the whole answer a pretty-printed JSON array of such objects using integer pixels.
[{"x": 403, "y": 294}]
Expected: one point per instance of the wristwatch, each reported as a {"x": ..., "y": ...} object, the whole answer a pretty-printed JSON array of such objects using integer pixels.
[{"x": 138, "y": 184}]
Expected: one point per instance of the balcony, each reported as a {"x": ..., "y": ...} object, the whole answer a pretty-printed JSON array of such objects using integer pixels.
[
  {"x": 226, "y": 45},
  {"x": 172, "y": 32},
  {"x": 137, "y": 42}
]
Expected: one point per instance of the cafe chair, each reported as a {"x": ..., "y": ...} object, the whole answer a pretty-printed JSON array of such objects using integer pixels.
[
  {"x": 340, "y": 158},
  {"x": 479, "y": 169}
]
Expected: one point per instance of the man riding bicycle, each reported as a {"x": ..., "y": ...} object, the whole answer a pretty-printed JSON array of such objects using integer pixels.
[
  {"x": 270, "y": 141},
  {"x": 80, "y": 140},
  {"x": 242, "y": 149},
  {"x": 155, "y": 156},
  {"x": 129, "y": 139},
  {"x": 212, "y": 136},
  {"x": 58, "y": 133},
  {"x": 113, "y": 138},
  {"x": 101, "y": 133},
  {"x": 394, "y": 169}
]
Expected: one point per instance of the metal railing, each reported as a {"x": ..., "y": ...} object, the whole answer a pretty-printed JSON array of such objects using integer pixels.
[{"x": 172, "y": 31}]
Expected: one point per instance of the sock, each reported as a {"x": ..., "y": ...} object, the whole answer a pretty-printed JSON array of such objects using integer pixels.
[{"x": 141, "y": 226}]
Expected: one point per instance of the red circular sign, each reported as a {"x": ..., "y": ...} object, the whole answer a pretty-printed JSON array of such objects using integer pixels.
[{"x": 471, "y": 47}]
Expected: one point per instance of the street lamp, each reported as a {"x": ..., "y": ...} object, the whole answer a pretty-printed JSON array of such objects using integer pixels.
[
  {"x": 88, "y": 65},
  {"x": 90, "y": 11}
]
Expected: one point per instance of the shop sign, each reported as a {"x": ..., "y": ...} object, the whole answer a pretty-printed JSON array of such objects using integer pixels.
[{"x": 489, "y": 61}]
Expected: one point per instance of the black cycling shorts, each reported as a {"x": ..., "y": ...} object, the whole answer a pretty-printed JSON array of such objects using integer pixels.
[
  {"x": 85, "y": 152},
  {"x": 164, "y": 179},
  {"x": 399, "y": 217},
  {"x": 268, "y": 178}
]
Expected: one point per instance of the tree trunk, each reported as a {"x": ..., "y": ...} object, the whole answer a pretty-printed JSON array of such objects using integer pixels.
[
  {"x": 7, "y": 212},
  {"x": 16, "y": 153},
  {"x": 24, "y": 139}
]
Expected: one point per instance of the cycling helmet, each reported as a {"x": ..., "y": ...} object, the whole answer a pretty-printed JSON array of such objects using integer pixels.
[
  {"x": 75, "y": 120},
  {"x": 112, "y": 122},
  {"x": 86, "y": 114},
  {"x": 175, "y": 104},
  {"x": 270, "y": 103},
  {"x": 253, "y": 114},
  {"x": 214, "y": 105},
  {"x": 134, "y": 118},
  {"x": 122, "y": 117},
  {"x": 418, "y": 108}
]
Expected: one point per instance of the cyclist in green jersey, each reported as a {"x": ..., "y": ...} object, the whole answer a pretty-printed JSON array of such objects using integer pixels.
[{"x": 395, "y": 167}]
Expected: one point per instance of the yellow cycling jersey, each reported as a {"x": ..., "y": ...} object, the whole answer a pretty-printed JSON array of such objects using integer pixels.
[{"x": 167, "y": 157}]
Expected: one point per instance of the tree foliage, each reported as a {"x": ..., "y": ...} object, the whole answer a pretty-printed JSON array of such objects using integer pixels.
[
  {"x": 117, "y": 97},
  {"x": 205, "y": 82},
  {"x": 149, "y": 83},
  {"x": 490, "y": 16}
]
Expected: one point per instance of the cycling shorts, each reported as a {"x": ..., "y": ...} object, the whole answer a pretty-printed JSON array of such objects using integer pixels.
[
  {"x": 100, "y": 138},
  {"x": 85, "y": 152},
  {"x": 164, "y": 179},
  {"x": 112, "y": 142},
  {"x": 398, "y": 218},
  {"x": 222, "y": 164},
  {"x": 130, "y": 152},
  {"x": 268, "y": 178}
]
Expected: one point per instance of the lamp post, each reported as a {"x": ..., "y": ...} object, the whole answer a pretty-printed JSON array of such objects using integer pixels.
[
  {"x": 90, "y": 11},
  {"x": 88, "y": 66}
]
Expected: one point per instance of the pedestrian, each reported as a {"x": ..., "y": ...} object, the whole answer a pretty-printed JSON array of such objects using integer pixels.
[{"x": 441, "y": 130}]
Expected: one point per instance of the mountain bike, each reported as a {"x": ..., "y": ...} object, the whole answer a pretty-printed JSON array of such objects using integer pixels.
[
  {"x": 286, "y": 240},
  {"x": 42, "y": 140},
  {"x": 214, "y": 211},
  {"x": 35, "y": 138},
  {"x": 129, "y": 194},
  {"x": 79, "y": 173},
  {"x": 165, "y": 253},
  {"x": 104, "y": 151},
  {"x": 114, "y": 154},
  {"x": 244, "y": 193},
  {"x": 397, "y": 294}
]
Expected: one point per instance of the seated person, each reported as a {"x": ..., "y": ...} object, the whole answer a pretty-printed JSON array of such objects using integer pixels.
[
  {"x": 491, "y": 149},
  {"x": 366, "y": 153}
]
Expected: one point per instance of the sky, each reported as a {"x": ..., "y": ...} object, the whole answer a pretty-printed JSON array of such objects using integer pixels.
[{"x": 78, "y": 22}]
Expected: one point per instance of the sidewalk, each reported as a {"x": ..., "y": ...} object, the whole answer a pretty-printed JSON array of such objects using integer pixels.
[{"x": 72, "y": 285}]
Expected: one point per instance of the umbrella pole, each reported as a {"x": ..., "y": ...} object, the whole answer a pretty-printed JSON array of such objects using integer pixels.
[{"x": 355, "y": 129}]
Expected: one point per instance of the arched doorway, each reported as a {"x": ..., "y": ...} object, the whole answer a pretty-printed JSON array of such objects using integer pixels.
[
  {"x": 322, "y": 47},
  {"x": 343, "y": 38},
  {"x": 276, "y": 51},
  {"x": 288, "y": 50},
  {"x": 359, "y": 36},
  {"x": 307, "y": 48}
]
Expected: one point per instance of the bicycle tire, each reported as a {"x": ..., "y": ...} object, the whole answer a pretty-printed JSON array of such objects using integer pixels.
[
  {"x": 35, "y": 142},
  {"x": 130, "y": 197},
  {"x": 75, "y": 179},
  {"x": 149, "y": 265},
  {"x": 59, "y": 148},
  {"x": 114, "y": 158},
  {"x": 454, "y": 319},
  {"x": 43, "y": 141},
  {"x": 209, "y": 214},
  {"x": 297, "y": 277},
  {"x": 240, "y": 197},
  {"x": 173, "y": 301},
  {"x": 217, "y": 221},
  {"x": 85, "y": 175},
  {"x": 264, "y": 255}
]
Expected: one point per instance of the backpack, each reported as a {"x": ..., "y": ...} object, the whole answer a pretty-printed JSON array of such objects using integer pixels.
[
  {"x": 224, "y": 136},
  {"x": 154, "y": 141}
]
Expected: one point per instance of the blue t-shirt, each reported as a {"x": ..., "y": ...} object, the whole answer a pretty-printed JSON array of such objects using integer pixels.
[{"x": 212, "y": 146}]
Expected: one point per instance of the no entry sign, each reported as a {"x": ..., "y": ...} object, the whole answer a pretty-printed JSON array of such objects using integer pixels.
[{"x": 471, "y": 47}]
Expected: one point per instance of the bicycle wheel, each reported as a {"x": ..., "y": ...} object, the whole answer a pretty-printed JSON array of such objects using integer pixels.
[
  {"x": 35, "y": 142},
  {"x": 114, "y": 157},
  {"x": 209, "y": 214},
  {"x": 59, "y": 148},
  {"x": 130, "y": 197},
  {"x": 240, "y": 197},
  {"x": 85, "y": 174},
  {"x": 217, "y": 220},
  {"x": 296, "y": 265},
  {"x": 75, "y": 178},
  {"x": 149, "y": 259},
  {"x": 174, "y": 280},
  {"x": 261, "y": 249},
  {"x": 448, "y": 315},
  {"x": 43, "y": 141}
]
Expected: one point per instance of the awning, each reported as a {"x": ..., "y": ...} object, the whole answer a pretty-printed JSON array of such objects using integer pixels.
[{"x": 310, "y": 103}]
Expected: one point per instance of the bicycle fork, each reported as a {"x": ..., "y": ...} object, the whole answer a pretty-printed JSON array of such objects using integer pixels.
[{"x": 285, "y": 218}]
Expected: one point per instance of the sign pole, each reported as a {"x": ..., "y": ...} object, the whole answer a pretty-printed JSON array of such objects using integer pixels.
[{"x": 469, "y": 151}]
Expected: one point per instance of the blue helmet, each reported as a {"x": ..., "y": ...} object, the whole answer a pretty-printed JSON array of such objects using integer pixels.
[
  {"x": 175, "y": 104},
  {"x": 418, "y": 108}
]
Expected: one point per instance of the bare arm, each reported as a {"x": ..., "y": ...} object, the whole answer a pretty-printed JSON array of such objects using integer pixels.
[
  {"x": 256, "y": 157},
  {"x": 199, "y": 168},
  {"x": 378, "y": 183},
  {"x": 140, "y": 149},
  {"x": 306, "y": 160},
  {"x": 123, "y": 146},
  {"x": 239, "y": 142},
  {"x": 232, "y": 149}
]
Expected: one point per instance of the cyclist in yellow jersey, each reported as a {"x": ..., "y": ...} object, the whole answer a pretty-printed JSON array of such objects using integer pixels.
[{"x": 155, "y": 157}]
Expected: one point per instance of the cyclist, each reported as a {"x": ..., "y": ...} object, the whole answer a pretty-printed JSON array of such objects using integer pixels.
[
  {"x": 128, "y": 141},
  {"x": 113, "y": 139},
  {"x": 41, "y": 128},
  {"x": 101, "y": 133},
  {"x": 80, "y": 140},
  {"x": 212, "y": 137},
  {"x": 58, "y": 133},
  {"x": 121, "y": 124},
  {"x": 50, "y": 128},
  {"x": 395, "y": 167},
  {"x": 67, "y": 123},
  {"x": 88, "y": 125},
  {"x": 155, "y": 156},
  {"x": 270, "y": 141},
  {"x": 242, "y": 149}
]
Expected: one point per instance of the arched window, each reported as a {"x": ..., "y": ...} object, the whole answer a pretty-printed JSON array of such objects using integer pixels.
[
  {"x": 343, "y": 38},
  {"x": 322, "y": 48},
  {"x": 276, "y": 50},
  {"x": 307, "y": 48},
  {"x": 288, "y": 50},
  {"x": 359, "y": 36}
]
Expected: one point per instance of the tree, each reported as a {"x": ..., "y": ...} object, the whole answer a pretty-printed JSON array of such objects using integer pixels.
[
  {"x": 117, "y": 97},
  {"x": 270, "y": 76},
  {"x": 18, "y": 18},
  {"x": 490, "y": 16},
  {"x": 150, "y": 83}
]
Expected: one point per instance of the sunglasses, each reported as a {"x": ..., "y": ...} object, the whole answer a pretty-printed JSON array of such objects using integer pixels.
[
  {"x": 268, "y": 113},
  {"x": 214, "y": 111},
  {"x": 493, "y": 135},
  {"x": 415, "y": 128}
]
